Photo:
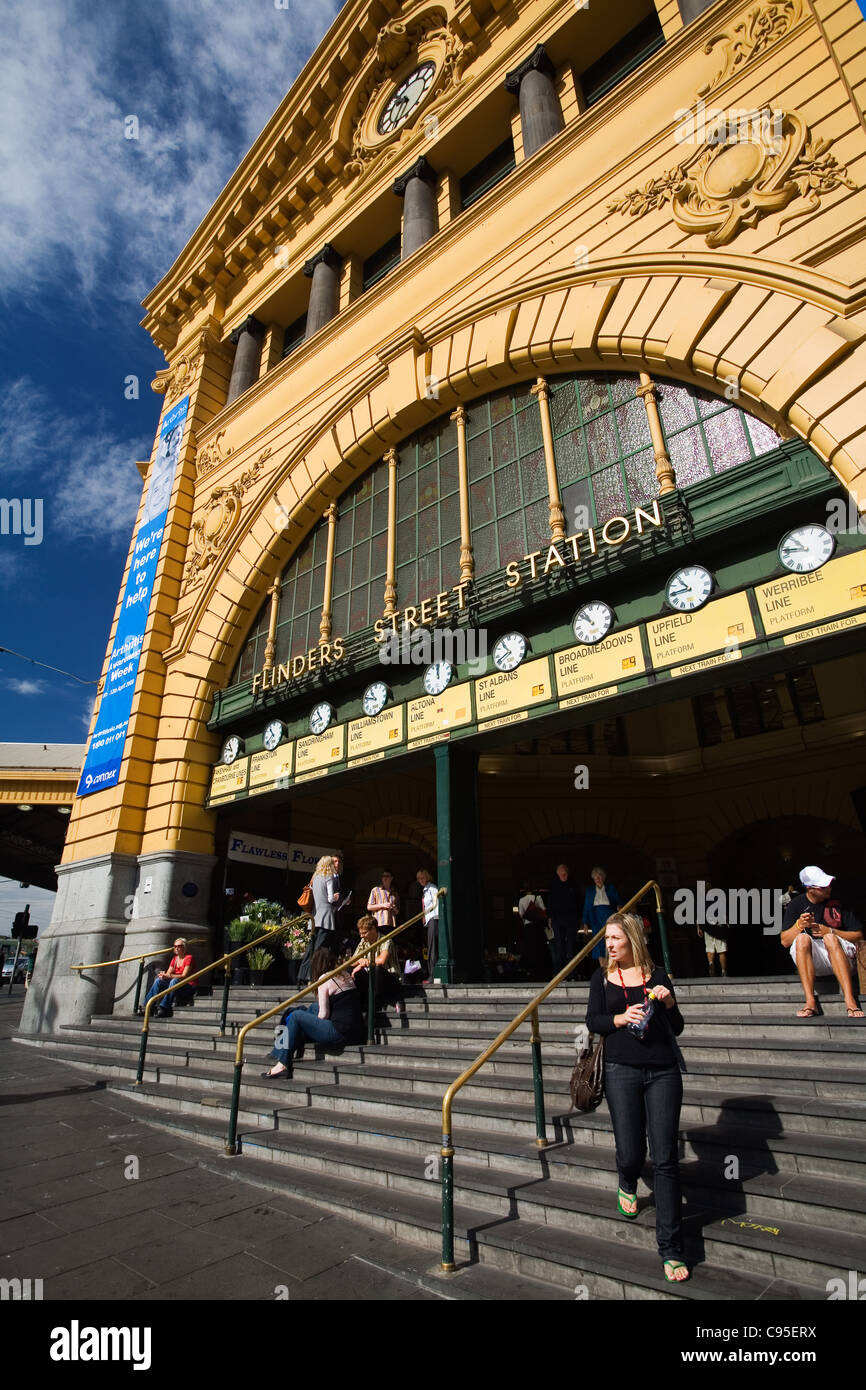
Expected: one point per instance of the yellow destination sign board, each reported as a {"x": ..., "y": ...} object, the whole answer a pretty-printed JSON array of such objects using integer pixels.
[
  {"x": 383, "y": 730},
  {"x": 228, "y": 780},
  {"x": 320, "y": 750},
  {"x": 267, "y": 769},
  {"x": 609, "y": 662},
  {"x": 434, "y": 714},
  {"x": 511, "y": 690},
  {"x": 685, "y": 637},
  {"x": 801, "y": 600}
]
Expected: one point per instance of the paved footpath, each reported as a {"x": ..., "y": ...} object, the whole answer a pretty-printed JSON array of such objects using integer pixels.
[{"x": 72, "y": 1214}]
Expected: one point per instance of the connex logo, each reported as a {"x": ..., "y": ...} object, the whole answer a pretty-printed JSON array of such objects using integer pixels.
[{"x": 77, "y": 1343}]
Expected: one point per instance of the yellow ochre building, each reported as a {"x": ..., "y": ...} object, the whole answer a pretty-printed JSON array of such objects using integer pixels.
[{"x": 505, "y": 504}]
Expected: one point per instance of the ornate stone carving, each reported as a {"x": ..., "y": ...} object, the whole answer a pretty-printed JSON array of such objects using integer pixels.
[
  {"x": 172, "y": 382},
  {"x": 760, "y": 29},
  {"x": 211, "y": 455},
  {"x": 724, "y": 187},
  {"x": 441, "y": 43},
  {"x": 212, "y": 530}
]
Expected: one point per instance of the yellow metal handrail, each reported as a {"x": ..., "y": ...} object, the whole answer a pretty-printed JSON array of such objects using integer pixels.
[
  {"x": 365, "y": 950},
  {"x": 531, "y": 1010},
  {"x": 187, "y": 979},
  {"x": 124, "y": 960}
]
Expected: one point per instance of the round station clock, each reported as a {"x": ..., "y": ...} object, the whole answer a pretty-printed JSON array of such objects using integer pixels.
[
  {"x": 232, "y": 749},
  {"x": 407, "y": 97},
  {"x": 806, "y": 548},
  {"x": 376, "y": 697},
  {"x": 509, "y": 651},
  {"x": 274, "y": 734},
  {"x": 592, "y": 622},
  {"x": 689, "y": 588},
  {"x": 437, "y": 677},
  {"x": 321, "y": 717}
]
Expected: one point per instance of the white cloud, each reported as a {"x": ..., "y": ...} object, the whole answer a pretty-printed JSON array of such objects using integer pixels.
[
  {"x": 25, "y": 687},
  {"x": 86, "y": 208},
  {"x": 85, "y": 473}
]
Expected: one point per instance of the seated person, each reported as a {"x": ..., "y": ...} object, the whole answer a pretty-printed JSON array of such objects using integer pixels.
[
  {"x": 386, "y": 984},
  {"x": 179, "y": 967},
  {"x": 334, "y": 1019},
  {"x": 822, "y": 937}
]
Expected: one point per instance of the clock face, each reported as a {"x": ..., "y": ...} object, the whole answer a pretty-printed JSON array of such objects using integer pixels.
[
  {"x": 689, "y": 588},
  {"x": 592, "y": 622},
  {"x": 806, "y": 548},
  {"x": 321, "y": 716},
  {"x": 509, "y": 651},
  {"x": 437, "y": 677},
  {"x": 375, "y": 698},
  {"x": 232, "y": 748},
  {"x": 274, "y": 734},
  {"x": 407, "y": 96}
]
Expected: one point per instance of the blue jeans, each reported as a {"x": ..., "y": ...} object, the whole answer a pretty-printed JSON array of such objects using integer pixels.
[
  {"x": 305, "y": 1023},
  {"x": 644, "y": 1102},
  {"x": 182, "y": 995}
]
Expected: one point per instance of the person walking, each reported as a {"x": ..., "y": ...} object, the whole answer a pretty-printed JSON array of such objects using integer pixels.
[
  {"x": 430, "y": 905},
  {"x": 563, "y": 906},
  {"x": 632, "y": 1006},
  {"x": 325, "y": 904}
]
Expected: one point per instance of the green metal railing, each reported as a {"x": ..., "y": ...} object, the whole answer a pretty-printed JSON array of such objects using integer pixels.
[
  {"x": 197, "y": 974},
  {"x": 368, "y": 949},
  {"x": 124, "y": 960},
  {"x": 531, "y": 1012}
]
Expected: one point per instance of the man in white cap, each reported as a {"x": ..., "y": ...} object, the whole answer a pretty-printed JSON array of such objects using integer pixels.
[{"x": 822, "y": 938}]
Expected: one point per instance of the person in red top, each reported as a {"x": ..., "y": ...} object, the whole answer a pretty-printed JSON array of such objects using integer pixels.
[{"x": 180, "y": 965}]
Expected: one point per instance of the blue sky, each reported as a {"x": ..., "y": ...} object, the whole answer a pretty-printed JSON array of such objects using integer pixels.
[{"x": 89, "y": 222}]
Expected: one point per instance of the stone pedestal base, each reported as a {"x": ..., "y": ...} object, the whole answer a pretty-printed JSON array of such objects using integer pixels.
[{"x": 111, "y": 906}]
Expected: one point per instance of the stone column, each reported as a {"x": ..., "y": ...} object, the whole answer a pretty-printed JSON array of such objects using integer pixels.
[
  {"x": 541, "y": 391},
  {"x": 324, "y": 271},
  {"x": 417, "y": 188},
  {"x": 664, "y": 467},
  {"x": 271, "y": 644},
  {"x": 692, "y": 9},
  {"x": 325, "y": 620},
  {"x": 248, "y": 339},
  {"x": 95, "y": 903},
  {"x": 540, "y": 114},
  {"x": 391, "y": 560},
  {"x": 467, "y": 559},
  {"x": 172, "y": 898}
]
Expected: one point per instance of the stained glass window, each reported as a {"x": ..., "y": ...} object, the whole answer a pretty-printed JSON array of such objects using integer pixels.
[
  {"x": 708, "y": 434},
  {"x": 507, "y": 478},
  {"x": 602, "y": 446}
]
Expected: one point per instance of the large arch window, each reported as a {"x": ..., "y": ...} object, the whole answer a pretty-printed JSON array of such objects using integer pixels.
[
  {"x": 603, "y": 459},
  {"x": 508, "y": 500}
]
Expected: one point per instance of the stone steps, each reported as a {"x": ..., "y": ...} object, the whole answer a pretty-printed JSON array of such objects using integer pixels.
[{"x": 359, "y": 1132}]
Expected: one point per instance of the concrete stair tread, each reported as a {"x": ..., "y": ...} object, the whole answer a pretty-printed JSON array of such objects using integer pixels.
[{"x": 633, "y": 1265}]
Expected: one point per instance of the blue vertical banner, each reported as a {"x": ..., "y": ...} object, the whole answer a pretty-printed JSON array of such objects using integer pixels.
[{"x": 105, "y": 751}]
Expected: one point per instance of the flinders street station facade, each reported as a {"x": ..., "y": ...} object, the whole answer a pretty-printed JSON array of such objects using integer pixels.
[{"x": 505, "y": 504}]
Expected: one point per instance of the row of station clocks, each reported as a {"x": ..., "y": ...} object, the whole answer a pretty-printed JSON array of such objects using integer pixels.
[{"x": 801, "y": 551}]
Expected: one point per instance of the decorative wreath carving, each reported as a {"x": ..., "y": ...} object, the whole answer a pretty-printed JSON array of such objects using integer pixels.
[
  {"x": 728, "y": 185},
  {"x": 760, "y": 29},
  {"x": 211, "y": 455},
  {"x": 399, "y": 45},
  {"x": 212, "y": 530}
]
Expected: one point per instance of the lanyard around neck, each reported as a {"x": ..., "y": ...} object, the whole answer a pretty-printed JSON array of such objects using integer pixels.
[{"x": 625, "y": 991}]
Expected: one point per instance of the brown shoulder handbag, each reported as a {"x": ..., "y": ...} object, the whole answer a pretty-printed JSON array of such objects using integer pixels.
[
  {"x": 587, "y": 1079},
  {"x": 306, "y": 895}
]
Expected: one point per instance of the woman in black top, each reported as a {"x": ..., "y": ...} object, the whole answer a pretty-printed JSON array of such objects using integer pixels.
[
  {"x": 333, "y": 1020},
  {"x": 642, "y": 1081}
]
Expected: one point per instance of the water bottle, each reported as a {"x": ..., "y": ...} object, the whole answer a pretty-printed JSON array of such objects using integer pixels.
[{"x": 639, "y": 1028}]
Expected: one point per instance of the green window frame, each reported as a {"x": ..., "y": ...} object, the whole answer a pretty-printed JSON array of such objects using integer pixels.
[
  {"x": 428, "y": 513},
  {"x": 509, "y": 508}
]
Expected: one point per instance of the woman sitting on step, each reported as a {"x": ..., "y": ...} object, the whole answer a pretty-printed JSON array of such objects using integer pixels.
[
  {"x": 334, "y": 1019},
  {"x": 632, "y": 1005}
]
